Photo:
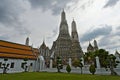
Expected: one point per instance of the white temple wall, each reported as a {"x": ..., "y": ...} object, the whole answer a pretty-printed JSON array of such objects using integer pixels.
[{"x": 17, "y": 65}]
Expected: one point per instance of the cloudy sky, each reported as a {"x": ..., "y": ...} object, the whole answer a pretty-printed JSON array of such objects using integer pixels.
[{"x": 40, "y": 19}]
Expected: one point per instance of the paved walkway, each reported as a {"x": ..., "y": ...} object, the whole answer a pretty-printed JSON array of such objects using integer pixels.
[{"x": 100, "y": 71}]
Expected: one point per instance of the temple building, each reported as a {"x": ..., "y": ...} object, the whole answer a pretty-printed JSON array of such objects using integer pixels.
[
  {"x": 76, "y": 50},
  {"x": 92, "y": 48},
  {"x": 45, "y": 52},
  {"x": 16, "y": 57},
  {"x": 67, "y": 46}
]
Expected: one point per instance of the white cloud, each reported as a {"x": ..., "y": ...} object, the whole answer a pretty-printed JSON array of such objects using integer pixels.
[{"x": 39, "y": 24}]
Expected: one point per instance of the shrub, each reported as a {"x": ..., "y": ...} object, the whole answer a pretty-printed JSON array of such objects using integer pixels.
[
  {"x": 76, "y": 63},
  {"x": 68, "y": 68},
  {"x": 92, "y": 69}
]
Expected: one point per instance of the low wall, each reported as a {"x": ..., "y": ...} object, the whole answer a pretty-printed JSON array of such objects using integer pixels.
[{"x": 101, "y": 71}]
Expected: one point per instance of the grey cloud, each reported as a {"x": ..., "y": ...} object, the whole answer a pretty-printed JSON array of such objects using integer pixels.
[
  {"x": 41, "y": 3},
  {"x": 111, "y": 3},
  {"x": 114, "y": 47},
  {"x": 109, "y": 42},
  {"x": 54, "y": 33},
  {"x": 104, "y": 41},
  {"x": 54, "y": 5},
  {"x": 118, "y": 28},
  {"x": 4, "y": 37},
  {"x": 117, "y": 32},
  {"x": 87, "y": 4},
  {"x": 10, "y": 10},
  {"x": 89, "y": 35}
]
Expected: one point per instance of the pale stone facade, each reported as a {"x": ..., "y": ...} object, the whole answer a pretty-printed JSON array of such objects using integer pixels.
[
  {"x": 67, "y": 46},
  {"x": 16, "y": 57},
  {"x": 76, "y": 50},
  {"x": 45, "y": 52},
  {"x": 93, "y": 48}
]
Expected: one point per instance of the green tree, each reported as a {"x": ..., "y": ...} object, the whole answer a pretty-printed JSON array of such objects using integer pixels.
[
  {"x": 111, "y": 62},
  {"x": 59, "y": 64},
  {"x": 102, "y": 54},
  {"x": 75, "y": 63},
  {"x": 78, "y": 63},
  {"x": 92, "y": 69},
  {"x": 68, "y": 68},
  {"x": 106, "y": 60},
  {"x": 5, "y": 66},
  {"x": 89, "y": 58}
]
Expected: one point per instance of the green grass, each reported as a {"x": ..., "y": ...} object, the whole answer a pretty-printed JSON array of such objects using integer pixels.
[{"x": 55, "y": 76}]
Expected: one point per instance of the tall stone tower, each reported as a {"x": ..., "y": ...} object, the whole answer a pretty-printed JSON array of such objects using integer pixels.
[
  {"x": 62, "y": 46},
  {"x": 67, "y": 46},
  {"x": 74, "y": 33},
  {"x": 76, "y": 50}
]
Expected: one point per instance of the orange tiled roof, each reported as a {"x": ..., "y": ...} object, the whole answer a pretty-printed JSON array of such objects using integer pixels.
[{"x": 14, "y": 50}]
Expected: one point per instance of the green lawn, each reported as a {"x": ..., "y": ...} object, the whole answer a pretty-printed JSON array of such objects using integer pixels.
[{"x": 55, "y": 76}]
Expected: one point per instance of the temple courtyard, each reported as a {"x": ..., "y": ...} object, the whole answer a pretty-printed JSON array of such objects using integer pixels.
[{"x": 55, "y": 76}]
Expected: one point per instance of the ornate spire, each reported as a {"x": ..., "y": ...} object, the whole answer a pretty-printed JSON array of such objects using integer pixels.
[
  {"x": 74, "y": 31},
  {"x": 90, "y": 45},
  {"x": 27, "y": 41},
  {"x": 63, "y": 26},
  {"x": 63, "y": 17},
  {"x": 90, "y": 48},
  {"x": 95, "y": 45},
  {"x": 43, "y": 44},
  {"x": 74, "y": 26},
  {"x": 76, "y": 48}
]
